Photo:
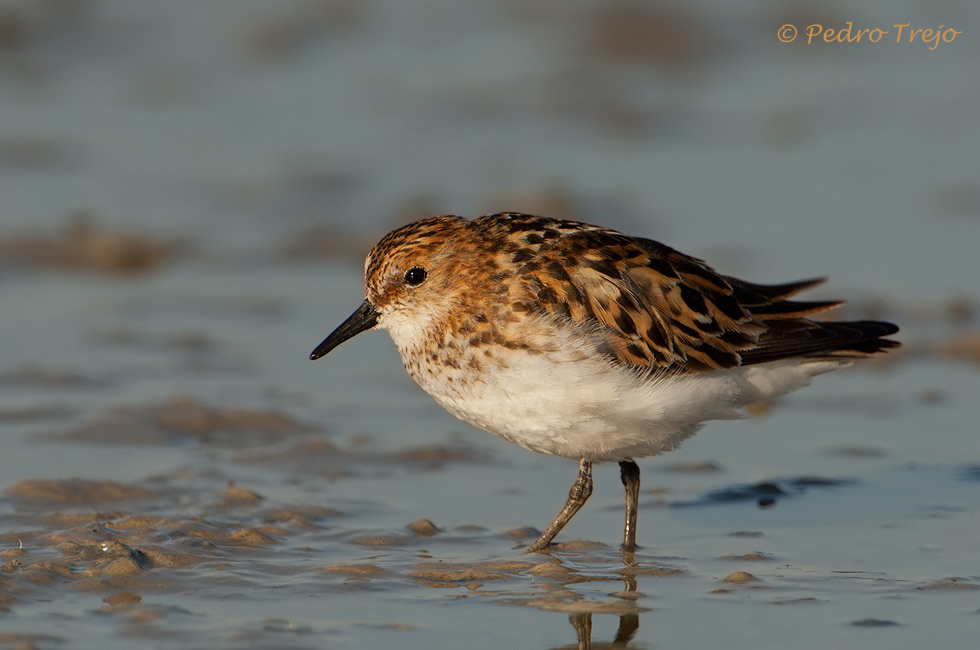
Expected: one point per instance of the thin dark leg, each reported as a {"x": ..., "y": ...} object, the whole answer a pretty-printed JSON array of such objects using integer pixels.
[
  {"x": 629, "y": 472},
  {"x": 628, "y": 625},
  {"x": 582, "y": 623},
  {"x": 577, "y": 496}
]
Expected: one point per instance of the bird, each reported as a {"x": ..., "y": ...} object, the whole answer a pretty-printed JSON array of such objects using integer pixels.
[{"x": 579, "y": 341}]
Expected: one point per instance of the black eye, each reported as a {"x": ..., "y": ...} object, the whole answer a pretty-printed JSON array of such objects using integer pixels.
[{"x": 415, "y": 276}]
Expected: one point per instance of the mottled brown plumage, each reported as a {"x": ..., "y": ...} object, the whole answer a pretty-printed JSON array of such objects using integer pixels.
[
  {"x": 653, "y": 306},
  {"x": 579, "y": 341}
]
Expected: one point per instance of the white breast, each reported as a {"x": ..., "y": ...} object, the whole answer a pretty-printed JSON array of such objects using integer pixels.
[{"x": 568, "y": 400}]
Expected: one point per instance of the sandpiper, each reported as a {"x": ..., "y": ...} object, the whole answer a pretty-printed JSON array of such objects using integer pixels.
[{"x": 579, "y": 341}]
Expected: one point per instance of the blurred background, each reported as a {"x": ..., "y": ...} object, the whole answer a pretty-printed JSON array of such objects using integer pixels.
[
  {"x": 189, "y": 189},
  {"x": 248, "y": 127}
]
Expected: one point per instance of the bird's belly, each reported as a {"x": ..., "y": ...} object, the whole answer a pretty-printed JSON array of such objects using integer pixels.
[
  {"x": 579, "y": 407},
  {"x": 585, "y": 407}
]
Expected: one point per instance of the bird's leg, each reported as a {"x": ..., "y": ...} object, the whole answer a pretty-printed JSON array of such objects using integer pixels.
[
  {"x": 582, "y": 622},
  {"x": 629, "y": 472},
  {"x": 628, "y": 625},
  {"x": 577, "y": 496}
]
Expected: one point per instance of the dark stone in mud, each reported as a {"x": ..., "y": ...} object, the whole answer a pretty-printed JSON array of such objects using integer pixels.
[
  {"x": 874, "y": 622},
  {"x": 766, "y": 493}
]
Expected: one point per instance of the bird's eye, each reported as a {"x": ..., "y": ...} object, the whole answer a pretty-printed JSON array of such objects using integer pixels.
[{"x": 415, "y": 276}]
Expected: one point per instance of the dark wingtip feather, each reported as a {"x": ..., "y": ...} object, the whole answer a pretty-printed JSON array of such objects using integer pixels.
[
  {"x": 777, "y": 291},
  {"x": 871, "y": 341},
  {"x": 793, "y": 308},
  {"x": 814, "y": 339}
]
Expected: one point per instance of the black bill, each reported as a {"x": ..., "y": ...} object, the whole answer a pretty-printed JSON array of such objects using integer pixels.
[{"x": 364, "y": 318}]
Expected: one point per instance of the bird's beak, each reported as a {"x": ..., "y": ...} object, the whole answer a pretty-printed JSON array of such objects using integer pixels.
[{"x": 363, "y": 319}]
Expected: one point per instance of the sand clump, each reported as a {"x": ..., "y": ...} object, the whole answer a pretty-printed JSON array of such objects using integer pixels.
[
  {"x": 740, "y": 577},
  {"x": 67, "y": 541},
  {"x": 77, "y": 491},
  {"x": 184, "y": 418},
  {"x": 83, "y": 245}
]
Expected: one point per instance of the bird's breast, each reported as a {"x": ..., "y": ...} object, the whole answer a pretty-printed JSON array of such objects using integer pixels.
[{"x": 548, "y": 391}]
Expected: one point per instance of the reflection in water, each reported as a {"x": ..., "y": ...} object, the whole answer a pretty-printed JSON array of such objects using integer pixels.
[
  {"x": 629, "y": 622},
  {"x": 582, "y": 622}
]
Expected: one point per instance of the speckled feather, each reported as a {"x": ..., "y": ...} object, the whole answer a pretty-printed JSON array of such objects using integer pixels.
[
  {"x": 579, "y": 341},
  {"x": 654, "y": 306}
]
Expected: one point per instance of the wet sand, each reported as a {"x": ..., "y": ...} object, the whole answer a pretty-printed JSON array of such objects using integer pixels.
[
  {"x": 184, "y": 224},
  {"x": 274, "y": 513}
]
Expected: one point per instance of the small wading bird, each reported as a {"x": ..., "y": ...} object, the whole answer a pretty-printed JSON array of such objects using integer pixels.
[{"x": 578, "y": 341}]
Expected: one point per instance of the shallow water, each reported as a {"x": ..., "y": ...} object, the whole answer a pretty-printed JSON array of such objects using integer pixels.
[{"x": 187, "y": 203}]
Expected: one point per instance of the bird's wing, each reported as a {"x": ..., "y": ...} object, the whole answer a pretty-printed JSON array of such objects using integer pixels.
[{"x": 654, "y": 307}]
